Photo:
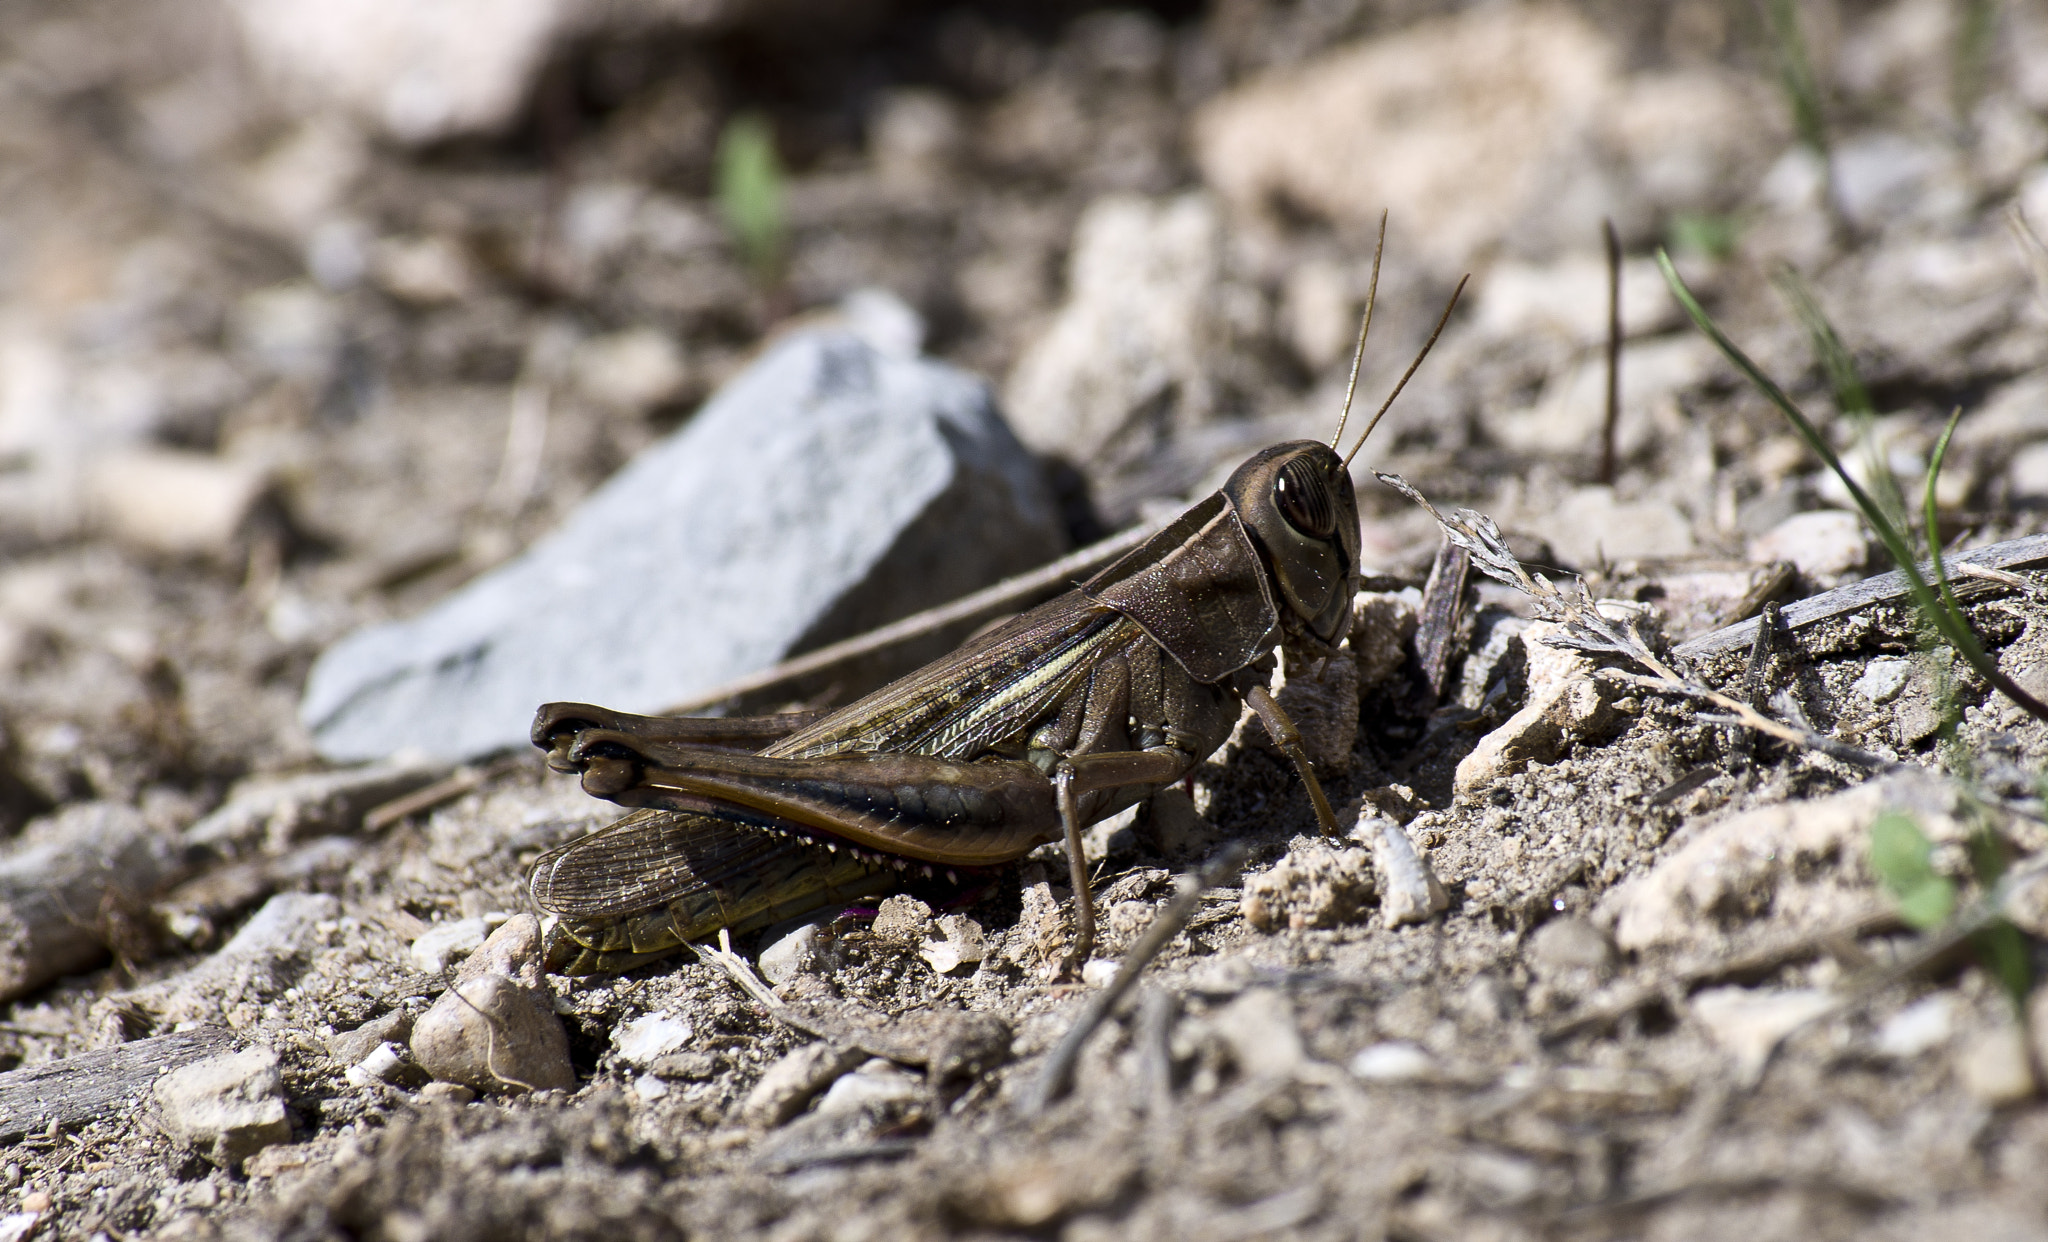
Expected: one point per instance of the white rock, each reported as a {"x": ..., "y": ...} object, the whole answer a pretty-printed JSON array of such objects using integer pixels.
[
  {"x": 649, "y": 1088},
  {"x": 1749, "y": 1024},
  {"x": 956, "y": 943},
  {"x": 1918, "y": 1028},
  {"x": 1097, "y": 972},
  {"x": 876, "y": 1087},
  {"x": 1591, "y": 525},
  {"x": 1567, "y": 300},
  {"x": 1505, "y": 123},
  {"x": 912, "y": 136},
  {"x": 385, "y": 1063},
  {"x": 445, "y": 943},
  {"x": 1883, "y": 678},
  {"x": 1135, "y": 325},
  {"x": 425, "y": 271},
  {"x": 421, "y": 72},
  {"x": 174, "y": 502},
  {"x": 651, "y": 1036},
  {"x": 1392, "y": 1062},
  {"x": 1564, "y": 702},
  {"x": 1260, "y": 1029},
  {"x": 1802, "y": 862},
  {"x": 1317, "y": 304},
  {"x": 1567, "y": 944},
  {"x": 1994, "y": 1068},
  {"x": 791, "y": 955},
  {"x": 292, "y": 330},
  {"x": 1880, "y": 175},
  {"x": 1567, "y": 419},
  {"x": 883, "y": 320},
  {"x": 2028, "y": 471},
  {"x": 228, "y": 1107},
  {"x": 1825, "y": 544},
  {"x": 1409, "y": 891},
  {"x": 634, "y": 370}
]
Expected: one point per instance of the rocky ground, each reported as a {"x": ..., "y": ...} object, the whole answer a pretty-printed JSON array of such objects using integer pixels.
[{"x": 293, "y": 343}]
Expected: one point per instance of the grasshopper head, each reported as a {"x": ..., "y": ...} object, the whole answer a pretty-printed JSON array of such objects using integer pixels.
[{"x": 1297, "y": 502}]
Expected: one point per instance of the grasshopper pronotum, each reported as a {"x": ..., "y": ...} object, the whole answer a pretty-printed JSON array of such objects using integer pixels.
[{"x": 1066, "y": 714}]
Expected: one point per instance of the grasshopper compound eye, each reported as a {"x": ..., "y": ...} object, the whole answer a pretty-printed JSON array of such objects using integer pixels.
[{"x": 1303, "y": 497}]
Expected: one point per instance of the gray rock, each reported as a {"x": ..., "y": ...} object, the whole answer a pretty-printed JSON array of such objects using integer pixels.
[
  {"x": 273, "y": 812},
  {"x": 1883, "y": 678},
  {"x": 1563, "y": 945},
  {"x": 830, "y": 488},
  {"x": 227, "y": 1107}
]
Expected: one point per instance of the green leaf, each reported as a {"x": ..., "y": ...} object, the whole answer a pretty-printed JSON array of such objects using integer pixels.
[
  {"x": 1903, "y": 859},
  {"x": 2003, "y": 952},
  {"x": 1711, "y": 235},
  {"x": 1929, "y": 904},
  {"x": 751, "y": 191},
  {"x": 1899, "y": 852}
]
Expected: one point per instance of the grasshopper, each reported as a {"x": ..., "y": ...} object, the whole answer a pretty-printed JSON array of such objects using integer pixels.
[{"x": 1052, "y": 721}]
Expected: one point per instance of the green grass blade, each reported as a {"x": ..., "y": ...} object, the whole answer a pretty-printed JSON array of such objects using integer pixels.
[
  {"x": 1948, "y": 621},
  {"x": 1852, "y": 398},
  {"x": 750, "y": 193},
  {"x": 1931, "y": 516},
  {"x": 1796, "y": 75}
]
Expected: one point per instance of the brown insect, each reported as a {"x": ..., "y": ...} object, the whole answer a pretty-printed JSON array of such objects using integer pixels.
[{"x": 1058, "y": 718}]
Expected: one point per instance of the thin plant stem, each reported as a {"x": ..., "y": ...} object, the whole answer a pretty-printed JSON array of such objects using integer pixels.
[{"x": 1950, "y": 623}]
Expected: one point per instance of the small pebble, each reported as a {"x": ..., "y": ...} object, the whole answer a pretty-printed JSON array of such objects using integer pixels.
[
  {"x": 447, "y": 943},
  {"x": 1392, "y": 1062},
  {"x": 796, "y": 1079},
  {"x": 489, "y": 1033},
  {"x": 1409, "y": 891},
  {"x": 902, "y": 918},
  {"x": 1750, "y": 1023},
  {"x": 1883, "y": 678},
  {"x": 1260, "y": 1029},
  {"x": 1098, "y": 971},
  {"x": 1571, "y": 944},
  {"x": 446, "y": 1093},
  {"x": 226, "y": 1107},
  {"x": 876, "y": 1087},
  {"x": 792, "y": 955},
  {"x": 650, "y": 1037},
  {"x": 1825, "y": 544},
  {"x": 649, "y": 1088},
  {"x": 1993, "y": 1066},
  {"x": 956, "y": 945},
  {"x": 1919, "y": 1027},
  {"x": 386, "y": 1063}
]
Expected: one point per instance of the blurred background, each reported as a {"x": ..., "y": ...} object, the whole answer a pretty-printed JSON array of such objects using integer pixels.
[{"x": 310, "y": 313}]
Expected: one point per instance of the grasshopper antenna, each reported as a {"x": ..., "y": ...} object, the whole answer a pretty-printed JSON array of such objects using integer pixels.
[
  {"x": 1410, "y": 372},
  {"x": 1372, "y": 293}
]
